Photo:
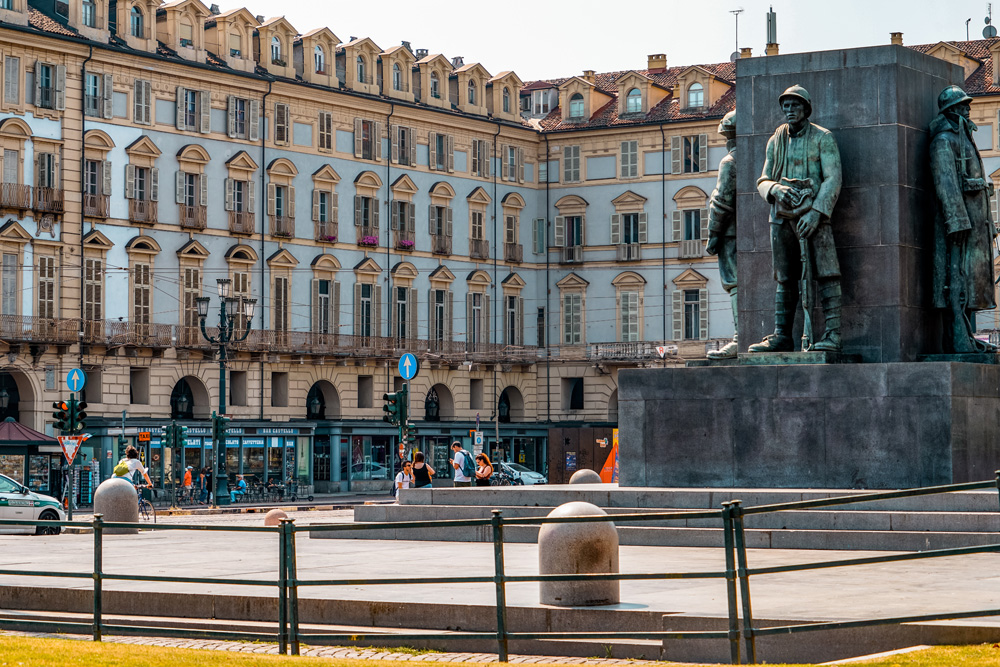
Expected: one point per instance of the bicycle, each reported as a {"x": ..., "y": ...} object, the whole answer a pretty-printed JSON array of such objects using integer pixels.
[
  {"x": 501, "y": 477},
  {"x": 146, "y": 510}
]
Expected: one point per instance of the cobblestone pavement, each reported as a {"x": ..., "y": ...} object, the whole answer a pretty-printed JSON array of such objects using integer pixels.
[{"x": 341, "y": 651}]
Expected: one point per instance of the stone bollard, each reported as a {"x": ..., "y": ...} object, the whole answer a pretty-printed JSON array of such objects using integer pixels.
[
  {"x": 578, "y": 548},
  {"x": 274, "y": 517},
  {"x": 585, "y": 476},
  {"x": 115, "y": 498}
]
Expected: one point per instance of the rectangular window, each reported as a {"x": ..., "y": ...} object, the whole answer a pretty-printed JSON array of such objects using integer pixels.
[
  {"x": 510, "y": 229},
  {"x": 281, "y": 123},
  {"x": 11, "y": 80},
  {"x": 281, "y": 303},
  {"x": 692, "y": 225},
  {"x": 404, "y": 150},
  {"x": 191, "y": 194},
  {"x": 325, "y": 131},
  {"x": 540, "y": 327},
  {"x": 481, "y": 157},
  {"x": 92, "y": 171},
  {"x": 92, "y": 95},
  {"x": 630, "y": 316},
  {"x": 441, "y": 149},
  {"x": 191, "y": 291},
  {"x": 368, "y": 139},
  {"x": 8, "y": 285},
  {"x": 692, "y": 154},
  {"x": 45, "y": 86},
  {"x": 571, "y": 164},
  {"x": 243, "y": 118},
  {"x": 279, "y": 200},
  {"x": 322, "y": 324},
  {"x": 574, "y": 230},
  {"x": 366, "y": 310},
  {"x": 190, "y": 110},
  {"x": 630, "y": 228},
  {"x": 240, "y": 117},
  {"x": 543, "y": 171},
  {"x": 572, "y": 319},
  {"x": 538, "y": 235},
  {"x": 402, "y": 313},
  {"x": 540, "y": 102},
  {"x": 141, "y": 190},
  {"x": 89, "y": 14},
  {"x": 93, "y": 289},
  {"x": 512, "y": 318},
  {"x": 475, "y": 334},
  {"x": 439, "y": 315},
  {"x": 323, "y": 206},
  {"x": 46, "y": 287},
  {"x": 477, "y": 225},
  {"x": 630, "y": 159},
  {"x": 142, "y": 102},
  {"x": 141, "y": 294},
  {"x": 512, "y": 165},
  {"x": 692, "y": 314}
]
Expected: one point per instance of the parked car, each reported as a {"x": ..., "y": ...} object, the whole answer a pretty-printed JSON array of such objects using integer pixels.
[
  {"x": 526, "y": 476},
  {"x": 19, "y": 503},
  {"x": 369, "y": 471}
]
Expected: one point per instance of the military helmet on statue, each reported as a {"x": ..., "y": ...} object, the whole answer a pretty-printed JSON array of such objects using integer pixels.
[
  {"x": 800, "y": 93},
  {"x": 727, "y": 126},
  {"x": 951, "y": 96}
]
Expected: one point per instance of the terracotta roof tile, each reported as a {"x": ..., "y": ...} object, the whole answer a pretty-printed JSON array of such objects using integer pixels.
[{"x": 40, "y": 21}]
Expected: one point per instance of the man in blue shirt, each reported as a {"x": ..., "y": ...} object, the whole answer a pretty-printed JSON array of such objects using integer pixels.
[{"x": 241, "y": 488}]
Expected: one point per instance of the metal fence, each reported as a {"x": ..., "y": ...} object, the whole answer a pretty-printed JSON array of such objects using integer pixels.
[{"x": 289, "y": 636}]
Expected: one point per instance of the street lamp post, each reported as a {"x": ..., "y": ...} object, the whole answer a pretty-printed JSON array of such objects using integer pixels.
[{"x": 231, "y": 310}]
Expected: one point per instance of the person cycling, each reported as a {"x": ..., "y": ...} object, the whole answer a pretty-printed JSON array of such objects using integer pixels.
[{"x": 134, "y": 465}]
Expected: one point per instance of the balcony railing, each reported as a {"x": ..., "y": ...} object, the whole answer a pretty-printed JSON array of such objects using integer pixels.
[
  {"x": 440, "y": 244},
  {"x": 326, "y": 232},
  {"x": 629, "y": 252},
  {"x": 194, "y": 217},
  {"x": 241, "y": 222},
  {"x": 571, "y": 254},
  {"x": 142, "y": 211},
  {"x": 513, "y": 252},
  {"x": 48, "y": 200},
  {"x": 479, "y": 249},
  {"x": 13, "y": 195},
  {"x": 118, "y": 333},
  {"x": 403, "y": 239},
  {"x": 96, "y": 206},
  {"x": 23, "y": 329},
  {"x": 691, "y": 249},
  {"x": 283, "y": 226}
]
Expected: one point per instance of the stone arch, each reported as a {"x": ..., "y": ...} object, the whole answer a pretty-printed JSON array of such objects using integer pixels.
[
  {"x": 241, "y": 253},
  {"x": 513, "y": 200},
  {"x": 193, "y": 153},
  {"x": 510, "y": 406},
  {"x": 21, "y": 396},
  {"x": 443, "y": 189},
  {"x": 441, "y": 394},
  {"x": 571, "y": 201},
  {"x": 690, "y": 197},
  {"x": 94, "y": 138},
  {"x": 329, "y": 401},
  {"x": 194, "y": 390},
  {"x": 613, "y": 407}
]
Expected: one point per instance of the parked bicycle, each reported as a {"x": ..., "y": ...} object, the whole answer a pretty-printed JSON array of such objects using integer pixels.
[
  {"x": 146, "y": 510},
  {"x": 502, "y": 477}
]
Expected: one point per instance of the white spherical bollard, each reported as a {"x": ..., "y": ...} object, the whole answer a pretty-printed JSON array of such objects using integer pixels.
[
  {"x": 115, "y": 499},
  {"x": 578, "y": 548},
  {"x": 585, "y": 476},
  {"x": 274, "y": 517}
]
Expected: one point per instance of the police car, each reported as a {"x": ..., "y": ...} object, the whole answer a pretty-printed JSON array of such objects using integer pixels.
[{"x": 19, "y": 503}]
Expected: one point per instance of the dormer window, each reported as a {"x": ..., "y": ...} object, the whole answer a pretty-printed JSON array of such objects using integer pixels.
[
  {"x": 540, "y": 102},
  {"x": 472, "y": 92},
  {"x": 89, "y": 14},
  {"x": 138, "y": 23},
  {"x": 319, "y": 59},
  {"x": 576, "y": 106},
  {"x": 187, "y": 34},
  {"x": 235, "y": 46},
  {"x": 633, "y": 101},
  {"x": 397, "y": 77},
  {"x": 696, "y": 96},
  {"x": 361, "y": 69},
  {"x": 435, "y": 86},
  {"x": 506, "y": 100},
  {"x": 275, "y": 51}
]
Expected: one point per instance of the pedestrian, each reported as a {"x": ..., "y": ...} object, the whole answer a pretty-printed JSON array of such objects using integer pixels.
[
  {"x": 206, "y": 490},
  {"x": 422, "y": 473},
  {"x": 404, "y": 479},
  {"x": 132, "y": 465},
  {"x": 240, "y": 490},
  {"x": 463, "y": 464},
  {"x": 188, "y": 485},
  {"x": 484, "y": 470}
]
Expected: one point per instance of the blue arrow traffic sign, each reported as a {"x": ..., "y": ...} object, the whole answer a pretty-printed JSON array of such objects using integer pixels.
[
  {"x": 75, "y": 379},
  {"x": 408, "y": 366}
]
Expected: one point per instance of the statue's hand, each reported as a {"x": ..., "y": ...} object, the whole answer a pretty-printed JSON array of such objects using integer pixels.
[
  {"x": 782, "y": 193},
  {"x": 959, "y": 235},
  {"x": 713, "y": 244},
  {"x": 808, "y": 224}
]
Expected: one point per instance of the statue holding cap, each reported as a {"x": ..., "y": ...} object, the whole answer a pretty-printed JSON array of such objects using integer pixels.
[{"x": 722, "y": 226}]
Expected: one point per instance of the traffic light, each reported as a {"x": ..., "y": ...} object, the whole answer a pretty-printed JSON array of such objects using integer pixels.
[
  {"x": 392, "y": 408},
  {"x": 167, "y": 434},
  {"x": 61, "y": 414},
  {"x": 219, "y": 426},
  {"x": 403, "y": 400},
  {"x": 409, "y": 436},
  {"x": 79, "y": 417},
  {"x": 180, "y": 435}
]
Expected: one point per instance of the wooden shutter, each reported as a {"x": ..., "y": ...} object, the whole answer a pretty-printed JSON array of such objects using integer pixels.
[
  {"x": 560, "y": 231},
  {"x": 468, "y": 319},
  {"x": 358, "y": 138},
  {"x": 394, "y": 131},
  {"x": 253, "y": 110},
  {"x": 411, "y": 136},
  {"x": 280, "y": 123},
  {"x": 60, "y": 87},
  {"x": 486, "y": 155},
  {"x": 11, "y": 80},
  {"x": 450, "y": 148},
  {"x": 335, "y": 307},
  {"x": 520, "y": 165},
  {"x": 315, "y": 208},
  {"x": 230, "y": 193},
  {"x": 357, "y": 210},
  {"x": 179, "y": 183},
  {"x": 703, "y": 314},
  {"x": 38, "y": 83},
  {"x": 333, "y": 208},
  {"x": 678, "y": 314},
  {"x": 447, "y": 218},
  {"x": 702, "y": 152},
  {"x": 703, "y": 218},
  {"x": 141, "y": 102},
  {"x": 357, "y": 309},
  {"x": 642, "y": 227},
  {"x": 394, "y": 214},
  {"x": 251, "y": 197},
  {"x": 106, "y": 177},
  {"x": 678, "y": 220},
  {"x": 449, "y": 310},
  {"x": 432, "y": 150},
  {"x": 431, "y": 214},
  {"x": 376, "y": 212},
  {"x": 411, "y": 218},
  {"x": 411, "y": 314},
  {"x": 475, "y": 157},
  {"x": 504, "y": 167},
  {"x": 676, "y": 161},
  {"x": 205, "y": 111},
  {"x": 431, "y": 320},
  {"x": 231, "y": 111},
  {"x": 519, "y": 330},
  {"x": 377, "y": 141},
  {"x": 315, "y": 318},
  {"x": 616, "y": 229},
  {"x": 510, "y": 229},
  {"x": 179, "y": 106},
  {"x": 154, "y": 184},
  {"x": 203, "y": 187},
  {"x": 108, "y": 90},
  {"x": 377, "y": 311},
  {"x": 486, "y": 330},
  {"x": 130, "y": 181},
  {"x": 271, "y": 206}
]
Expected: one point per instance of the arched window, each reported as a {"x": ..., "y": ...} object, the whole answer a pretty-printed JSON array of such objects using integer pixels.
[
  {"x": 506, "y": 100},
  {"x": 138, "y": 23},
  {"x": 319, "y": 59},
  {"x": 435, "y": 85},
  {"x": 696, "y": 96},
  {"x": 187, "y": 34},
  {"x": 361, "y": 69},
  {"x": 633, "y": 101},
  {"x": 275, "y": 50},
  {"x": 397, "y": 77},
  {"x": 472, "y": 92},
  {"x": 576, "y": 106}
]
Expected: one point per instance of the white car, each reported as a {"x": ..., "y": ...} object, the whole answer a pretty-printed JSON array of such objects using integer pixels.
[
  {"x": 19, "y": 503},
  {"x": 526, "y": 476},
  {"x": 369, "y": 471}
]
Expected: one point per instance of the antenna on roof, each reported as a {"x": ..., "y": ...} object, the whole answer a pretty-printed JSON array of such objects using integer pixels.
[
  {"x": 990, "y": 31},
  {"x": 736, "y": 14},
  {"x": 772, "y": 27}
]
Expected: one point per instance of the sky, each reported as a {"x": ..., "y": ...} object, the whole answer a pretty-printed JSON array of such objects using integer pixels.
[{"x": 562, "y": 37}]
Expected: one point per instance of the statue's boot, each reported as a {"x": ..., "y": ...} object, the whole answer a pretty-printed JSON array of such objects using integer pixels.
[
  {"x": 785, "y": 302},
  {"x": 831, "y": 298},
  {"x": 728, "y": 351}
]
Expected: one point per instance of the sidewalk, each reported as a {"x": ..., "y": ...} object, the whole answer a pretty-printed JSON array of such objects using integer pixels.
[{"x": 320, "y": 502}]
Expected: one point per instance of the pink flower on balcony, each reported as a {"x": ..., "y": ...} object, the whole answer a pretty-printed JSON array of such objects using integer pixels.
[
  {"x": 370, "y": 241},
  {"x": 332, "y": 238},
  {"x": 406, "y": 244}
]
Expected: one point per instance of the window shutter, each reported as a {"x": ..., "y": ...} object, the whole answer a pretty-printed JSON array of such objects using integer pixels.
[
  {"x": 357, "y": 210},
  {"x": 376, "y": 212},
  {"x": 108, "y": 89},
  {"x": 703, "y": 218},
  {"x": 154, "y": 184},
  {"x": 675, "y": 155},
  {"x": 411, "y": 313},
  {"x": 230, "y": 195},
  {"x": 205, "y": 111},
  {"x": 334, "y": 207},
  {"x": 486, "y": 155},
  {"x": 678, "y": 314},
  {"x": 11, "y": 80},
  {"x": 447, "y": 229},
  {"x": 642, "y": 227},
  {"x": 54, "y": 175},
  {"x": 449, "y": 309},
  {"x": 252, "y": 197},
  {"x": 130, "y": 181},
  {"x": 431, "y": 214},
  {"x": 357, "y": 310},
  {"x": 702, "y": 152},
  {"x": 106, "y": 177},
  {"x": 432, "y": 150},
  {"x": 520, "y": 165},
  {"x": 203, "y": 187},
  {"x": 583, "y": 230},
  {"x": 450, "y": 148},
  {"x": 61, "y": 87},
  {"x": 279, "y": 123},
  {"x": 38, "y": 83},
  {"x": 394, "y": 215},
  {"x": 468, "y": 319},
  {"x": 179, "y": 107},
  {"x": 394, "y": 131},
  {"x": 141, "y": 93},
  {"x": 39, "y": 175},
  {"x": 485, "y": 328},
  {"x": 505, "y": 321},
  {"x": 253, "y": 110},
  {"x": 271, "y": 207},
  {"x": 411, "y": 218},
  {"x": 411, "y": 137},
  {"x": 560, "y": 231},
  {"x": 475, "y": 157},
  {"x": 504, "y": 166},
  {"x": 315, "y": 212},
  {"x": 316, "y": 318},
  {"x": 335, "y": 307},
  {"x": 703, "y": 314},
  {"x": 231, "y": 107},
  {"x": 678, "y": 218},
  {"x": 431, "y": 320},
  {"x": 519, "y": 330},
  {"x": 616, "y": 229},
  {"x": 377, "y": 312},
  {"x": 377, "y": 141},
  {"x": 358, "y": 138},
  {"x": 179, "y": 183}
]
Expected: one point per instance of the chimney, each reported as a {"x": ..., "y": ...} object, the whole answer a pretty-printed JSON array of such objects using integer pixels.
[
  {"x": 457, "y": 61},
  {"x": 746, "y": 52},
  {"x": 215, "y": 10},
  {"x": 589, "y": 76},
  {"x": 260, "y": 18},
  {"x": 771, "y": 50},
  {"x": 407, "y": 46},
  {"x": 421, "y": 54},
  {"x": 772, "y": 33},
  {"x": 896, "y": 38},
  {"x": 656, "y": 62}
]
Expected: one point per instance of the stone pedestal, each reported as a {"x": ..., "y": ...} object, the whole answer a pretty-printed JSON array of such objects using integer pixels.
[
  {"x": 116, "y": 499},
  {"x": 585, "y": 476},
  {"x": 578, "y": 548}
]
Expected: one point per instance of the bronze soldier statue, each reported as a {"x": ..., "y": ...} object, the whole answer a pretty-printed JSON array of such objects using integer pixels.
[
  {"x": 722, "y": 226},
  {"x": 801, "y": 181},
  {"x": 964, "y": 230}
]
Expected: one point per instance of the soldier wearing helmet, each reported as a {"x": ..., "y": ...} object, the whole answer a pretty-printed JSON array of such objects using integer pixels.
[
  {"x": 801, "y": 181},
  {"x": 722, "y": 226},
  {"x": 964, "y": 229}
]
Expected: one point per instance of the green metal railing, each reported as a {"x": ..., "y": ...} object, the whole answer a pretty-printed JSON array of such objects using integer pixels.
[{"x": 289, "y": 636}]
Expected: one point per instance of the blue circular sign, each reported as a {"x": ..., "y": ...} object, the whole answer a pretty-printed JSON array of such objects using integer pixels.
[
  {"x": 75, "y": 379},
  {"x": 408, "y": 366}
]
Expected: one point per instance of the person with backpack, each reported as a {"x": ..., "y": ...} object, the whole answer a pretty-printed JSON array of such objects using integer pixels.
[
  {"x": 464, "y": 465},
  {"x": 404, "y": 479}
]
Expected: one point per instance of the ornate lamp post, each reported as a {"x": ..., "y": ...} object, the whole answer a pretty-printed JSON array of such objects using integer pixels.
[{"x": 231, "y": 311}]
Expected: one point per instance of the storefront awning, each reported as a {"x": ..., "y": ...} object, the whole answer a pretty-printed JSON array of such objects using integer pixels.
[{"x": 14, "y": 433}]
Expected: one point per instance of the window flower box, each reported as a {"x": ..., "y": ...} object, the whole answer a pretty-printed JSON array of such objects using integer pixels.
[
  {"x": 368, "y": 241},
  {"x": 329, "y": 238},
  {"x": 405, "y": 244}
]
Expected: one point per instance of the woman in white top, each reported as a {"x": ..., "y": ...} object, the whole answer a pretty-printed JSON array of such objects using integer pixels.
[
  {"x": 405, "y": 478},
  {"x": 132, "y": 459}
]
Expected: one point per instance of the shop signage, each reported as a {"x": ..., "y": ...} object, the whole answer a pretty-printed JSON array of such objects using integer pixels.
[
  {"x": 277, "y": 431},
  {"x": 143, "y": 436}
]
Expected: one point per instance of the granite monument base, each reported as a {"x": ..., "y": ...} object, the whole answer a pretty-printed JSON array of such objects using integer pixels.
[{"x": 894, "y": 425}]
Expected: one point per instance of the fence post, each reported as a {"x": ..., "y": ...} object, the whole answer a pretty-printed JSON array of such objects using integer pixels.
[
  {"x": 282, "y": 588},
  {"x": 293, "y": 588},
  {"x": 498, "y": 578},
  {"x": 98, "y": 573},
  {"x": 734, "y": 618},
  {"x": 741, "y": 554}
]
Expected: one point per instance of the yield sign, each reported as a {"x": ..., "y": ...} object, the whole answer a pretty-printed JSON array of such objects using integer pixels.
[
  {"x": 71, "y": 445},
  {"x": 661, "y": 350}
]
